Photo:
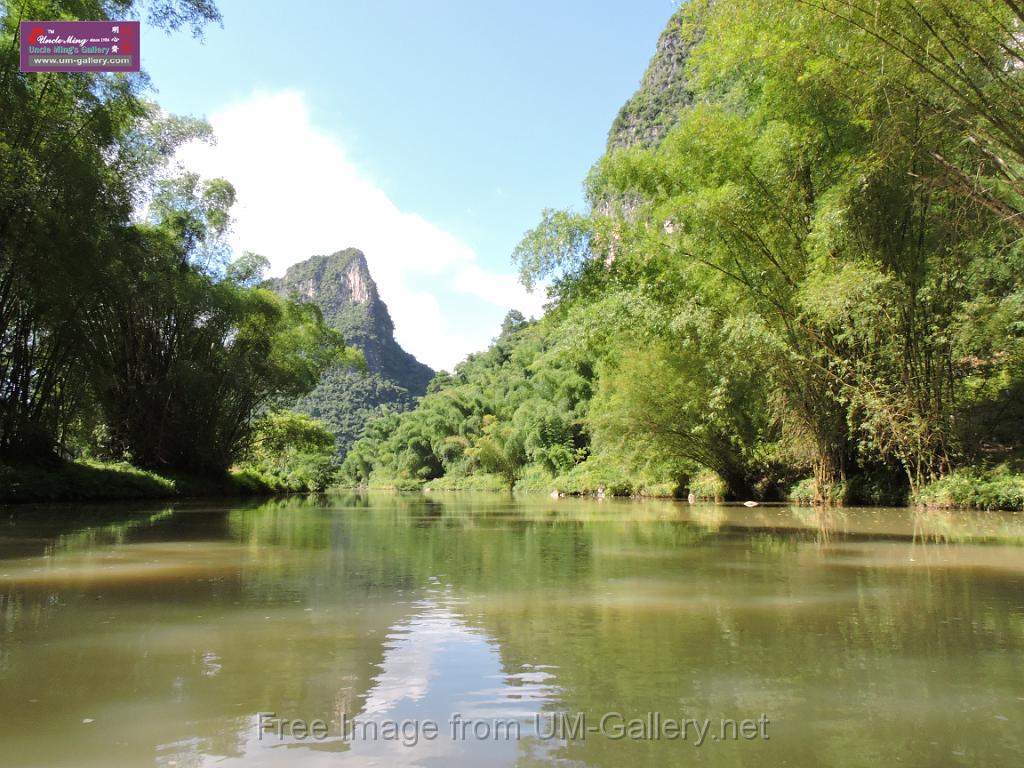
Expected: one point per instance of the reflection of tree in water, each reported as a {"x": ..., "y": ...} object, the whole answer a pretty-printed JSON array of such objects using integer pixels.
[{"x": 309, "y": 607}]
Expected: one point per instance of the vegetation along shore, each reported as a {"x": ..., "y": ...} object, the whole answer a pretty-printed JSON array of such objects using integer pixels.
[{"x": 798, "y": 276}]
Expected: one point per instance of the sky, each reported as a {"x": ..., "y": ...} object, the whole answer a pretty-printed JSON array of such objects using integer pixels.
[{"x": 430, "y": 135}]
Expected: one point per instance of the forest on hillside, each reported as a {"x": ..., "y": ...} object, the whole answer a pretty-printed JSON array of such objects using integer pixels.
[{"x": 799, "y": 275}]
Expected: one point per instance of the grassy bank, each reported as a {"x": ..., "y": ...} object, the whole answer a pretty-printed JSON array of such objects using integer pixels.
[
  {"x": 998, "y": 488},
  {"x": 99, "y": 481},
  {"x": 584, "y": 480}
]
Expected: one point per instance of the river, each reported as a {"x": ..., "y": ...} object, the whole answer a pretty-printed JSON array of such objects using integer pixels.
[{"x": 481, "y": 630}]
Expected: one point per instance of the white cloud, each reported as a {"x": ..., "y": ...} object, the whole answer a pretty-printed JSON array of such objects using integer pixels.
[{"x": 299, "y": 194}]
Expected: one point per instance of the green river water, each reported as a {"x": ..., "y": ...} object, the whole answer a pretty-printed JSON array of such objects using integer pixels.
[{"x": 467, "y": 630}]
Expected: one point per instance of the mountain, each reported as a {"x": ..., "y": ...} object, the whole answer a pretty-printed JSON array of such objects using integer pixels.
[
  {"x": 341, "y": 285},
  {"x": 665, "y": 88}
]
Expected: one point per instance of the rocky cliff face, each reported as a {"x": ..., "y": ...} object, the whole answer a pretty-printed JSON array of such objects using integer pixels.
[
  {"x": 664, "y": 90},
  {"x": 341, "y": 285},
  {"x": 664, "y": 93}
]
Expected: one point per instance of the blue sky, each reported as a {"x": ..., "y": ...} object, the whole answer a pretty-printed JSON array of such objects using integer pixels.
[{"x": 430, "y": 135}]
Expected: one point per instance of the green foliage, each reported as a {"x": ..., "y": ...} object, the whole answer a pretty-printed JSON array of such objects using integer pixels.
[
  {"x": 123, "y": 338},
  {"x": 293, "y": 451},
  {"x": 516, "y": 405},
  {"x": 600, "y": 473},
  {"x": 814, "y": 193},
  {"x": 958, "y": 63},
  {"x": 499, "y": 449},
  {"x": 86, "y": 480},
  {"x": 561, "y": 237},
  {"x": 92, "y": 480},
  {"x": 181, "y": 361},
  {"x": 804, "y": 492},
  {"x": 280, "y": 431},
  {"x": 708, "y": 485},
  {"x": 801, "y": 258},
  {"x": 696, "y": 402},
  {"x": 347, "y": 397},
  {"x": 665, "y": 90},
  {"x": 807, "y": 491},
  {"x": 998, "y": 488},
  {"x": 480, "y": 481},
  {"x": 77, "y": 152}
]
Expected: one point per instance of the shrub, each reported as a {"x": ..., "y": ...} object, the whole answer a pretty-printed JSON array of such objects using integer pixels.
[
  {"x": 998, "y": 488},
  {"x": 708, "y": 485}
]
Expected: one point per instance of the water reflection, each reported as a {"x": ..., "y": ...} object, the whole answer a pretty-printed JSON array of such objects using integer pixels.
[
  {"x": 435, "y": 669},
  {"x": 156, "y": 636}
]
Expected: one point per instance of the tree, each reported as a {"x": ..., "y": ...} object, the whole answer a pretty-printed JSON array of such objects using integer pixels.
[
  {"x": 697, "y": 400},
  {"x": 815, "y": 270},
  {"x": 960, "y": 61},
  {"x": 294, "y": 449},
  {"x": 500, "y": 449},
  {"x": 181, "y": 361},
  {"x": 65, "y": 192},
  {"x": 810, "y": 187},
  {"x": 365, "y": 454}
]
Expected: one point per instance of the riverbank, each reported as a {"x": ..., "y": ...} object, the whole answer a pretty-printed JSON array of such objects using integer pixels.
[
  {"x": 105, "y": 481},
  {"x": 1000, "y": 488}
]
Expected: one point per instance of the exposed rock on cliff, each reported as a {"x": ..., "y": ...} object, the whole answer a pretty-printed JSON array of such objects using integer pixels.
[
  {"x": 665, "y": 89},
  {"x": 341, "y": 285}
]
